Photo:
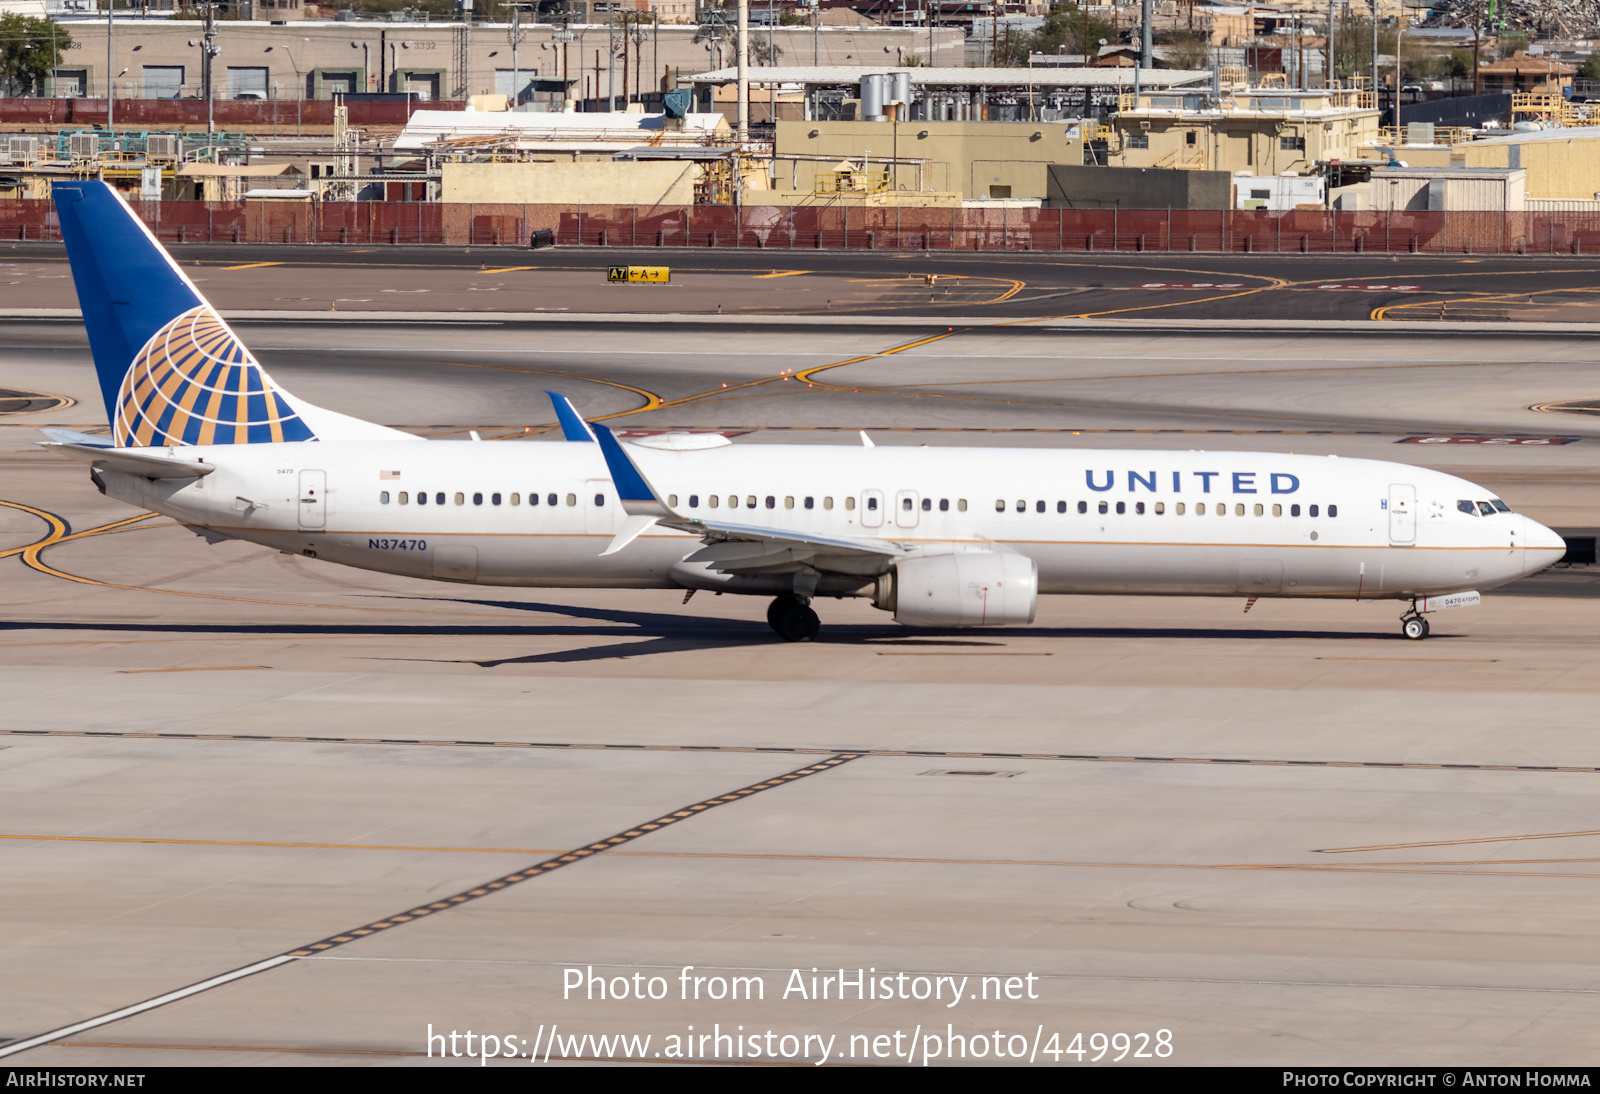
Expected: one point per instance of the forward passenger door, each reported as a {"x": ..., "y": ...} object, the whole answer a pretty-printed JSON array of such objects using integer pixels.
[{"x": 1402, "y": 515}]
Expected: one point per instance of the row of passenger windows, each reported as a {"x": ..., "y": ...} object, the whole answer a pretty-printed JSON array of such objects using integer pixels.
[
  {"x": 1179, "y": 508},
  {"x": 751, "y": 501},
  {"x": 441, "y": 498}
]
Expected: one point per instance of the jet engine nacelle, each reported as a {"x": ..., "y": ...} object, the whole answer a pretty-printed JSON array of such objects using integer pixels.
[{"x": 969, "y": 589}]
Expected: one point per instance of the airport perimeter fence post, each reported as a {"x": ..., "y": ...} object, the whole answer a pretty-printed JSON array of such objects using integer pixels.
[{"x": 1113, "y": 227}]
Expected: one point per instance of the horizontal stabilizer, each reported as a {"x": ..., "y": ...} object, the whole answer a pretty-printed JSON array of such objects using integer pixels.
[
  {"x": 72, "y": 436},
  {"x": 132, "y": 462}
]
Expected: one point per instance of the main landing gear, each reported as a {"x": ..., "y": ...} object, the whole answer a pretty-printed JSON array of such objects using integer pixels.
[
  {"x": 793, "y": 619},
  {"x": 1413, "y": 625}
]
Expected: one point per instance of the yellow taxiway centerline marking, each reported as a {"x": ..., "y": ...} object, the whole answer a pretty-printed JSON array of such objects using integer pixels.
[
  {"x": 1450, "y": 842},
  {"x": 781, "y": 273},
  {"x": 251, "y": 266},
  {"x": 276, "y": 843},
  {"x": 508, "y": 269},
  {"x": 202, "y": 668}
]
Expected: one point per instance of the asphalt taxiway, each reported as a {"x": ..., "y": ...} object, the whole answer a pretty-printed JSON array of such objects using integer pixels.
[{"x": 293, "y": 813}]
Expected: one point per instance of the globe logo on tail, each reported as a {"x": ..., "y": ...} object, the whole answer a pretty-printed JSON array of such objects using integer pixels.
[{"x": 194, "y": 383}]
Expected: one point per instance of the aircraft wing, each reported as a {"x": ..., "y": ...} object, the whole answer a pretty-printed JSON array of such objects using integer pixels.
[
  {"x": 729, "y": 545},
  {"x": 132, "y": 462}
]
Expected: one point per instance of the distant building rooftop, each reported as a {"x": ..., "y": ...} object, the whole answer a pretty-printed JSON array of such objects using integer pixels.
[{"x": 845, "y": 75}]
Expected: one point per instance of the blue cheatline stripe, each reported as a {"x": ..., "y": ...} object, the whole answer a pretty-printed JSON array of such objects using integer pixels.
[
  {"x": 573, "y": 427},
  {"x": 630, "y": 484}
]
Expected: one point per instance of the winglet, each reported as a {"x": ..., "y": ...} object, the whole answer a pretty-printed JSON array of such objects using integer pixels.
[
  {"x": 639, "y": 498},
  {"x": 573, "y": 427}
]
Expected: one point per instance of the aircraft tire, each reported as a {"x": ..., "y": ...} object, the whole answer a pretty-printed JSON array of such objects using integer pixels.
[
  {"x": 1415, "y": 628},
  {"x": 793, "y": 620}
]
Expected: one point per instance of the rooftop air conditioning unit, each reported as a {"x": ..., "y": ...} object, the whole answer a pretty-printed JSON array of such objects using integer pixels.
[
  {"x": 83, "y": 146},
  {"x": 161, "y": 146},
  {"x": 22, "y": 150}
]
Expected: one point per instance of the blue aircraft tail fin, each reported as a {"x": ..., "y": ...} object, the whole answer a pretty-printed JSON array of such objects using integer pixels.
[{"x": 171, "y": 370}]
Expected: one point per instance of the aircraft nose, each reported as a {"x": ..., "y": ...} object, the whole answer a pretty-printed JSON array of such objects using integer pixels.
[{"x": 1543, "y": 547}]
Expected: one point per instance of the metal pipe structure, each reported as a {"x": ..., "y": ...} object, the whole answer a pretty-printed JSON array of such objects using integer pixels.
[
  {"x": 111, "y": 83},
  {"x": 744, "y": 70}
]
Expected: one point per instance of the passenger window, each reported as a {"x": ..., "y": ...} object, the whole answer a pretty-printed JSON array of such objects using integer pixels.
[
  {"x": 516, "y": 499},
  {"x": 1038, "y": 507},
  {"x": 1199, "y": 508},
  {"x": 1261, "y": 510},
  {"x": 999, "y": 505},
  {"x": 811, "y": 503},
  {"x": 961, "y": 505},
  {"x": 772, "y": 502},
  {"x": 1122, "y": 507},
  {"x": 1178, "y": 509},
  {"x": 694, "y": 501},
  {"x": 533, "y": 499},
  {"x": 383, "y": 497},
  {"x": 404, "y": 497},
  {"x": 1161, "y": 507},
  {"x": 1467, "y": 507},
  {"x": 461, "y": 499},
  {"x": 750, "y": 502},
  {"x": 438, "y": 498},
  {"x": 944, "y": 505},
  {"x": 422, "y": 498},
  {"x": 1333, "y": 510},
  {"x": 788, "y": 502},
  {"x": 872, "y": 503},
  {"x": 1277, "y": 510},
  {"x": 1061, "y": 507},
  {"x": 1483, "y": 507},
  {"x": 494, "y": 499},
  {"x": 849, "y": 503},
  {"x": 477, "y": 499},
  {"x": 713, "y": 501},
  {"x": 927, "y": 504},
  {"x": 1104, "y": 508},
  {"x": 1138, "y": 507},
  {"x": 1312, "y": 510},
  {"x": 599, "y": 500},
  {"x": 1222, "y": 508},
  {"x": 550, "y": 499},
  {"x": 672, "y": 501},
  {"x": 1238, "y": 510},
  {"x": 1083, "y": 507},
  {"x": 733, "y": 501},
  {"x": 827, "y": 503},
  {"x": 572, "y": 499},
  {"x": 1294, "y": 510},
  {"x": 1022, "y": 506},
  {"x": 905, "y": 503}
]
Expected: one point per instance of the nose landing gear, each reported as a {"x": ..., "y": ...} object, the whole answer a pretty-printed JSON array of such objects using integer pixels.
[
  {"x": 792, "y": 618},
  {"x": 1413, "y": 625}
]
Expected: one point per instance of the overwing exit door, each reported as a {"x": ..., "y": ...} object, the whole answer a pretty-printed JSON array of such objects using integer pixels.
[
  {"x": 1402, "y": 515},
  {"x": 313, "y": 499}
]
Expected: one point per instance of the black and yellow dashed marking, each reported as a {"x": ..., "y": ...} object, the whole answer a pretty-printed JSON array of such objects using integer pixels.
[
  {"x": 784, "y": 750},
  {"x": 578, "y": 854}
]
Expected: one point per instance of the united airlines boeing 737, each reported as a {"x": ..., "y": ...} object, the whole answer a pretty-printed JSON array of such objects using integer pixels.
[{"x": 939, "y": 537}]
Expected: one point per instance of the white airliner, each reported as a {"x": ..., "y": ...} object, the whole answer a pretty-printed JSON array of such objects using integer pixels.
[{"x": 939, "y": 537}]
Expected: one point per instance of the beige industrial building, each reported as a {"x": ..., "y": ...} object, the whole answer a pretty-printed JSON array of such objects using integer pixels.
[
  {"x": 1562, "y": 164},
  {"x": 971, "y": 160},
  {"x": 161, "y": 58},
  {"x": 1257, "y": 131},
  {"x": 593, "y": 181}
]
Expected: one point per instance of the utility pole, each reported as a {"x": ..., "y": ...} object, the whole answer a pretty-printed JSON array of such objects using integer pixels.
[
  {"x": 744, "y": 70},
  {"x": 1375, "y": 55},
  {"x": 611, "y": 64},
  {"x": 1327, "y": 72},
  {"x": 1146, "y": 36},
  {"x": 516, "y": 39},
  {"x": 1477, "y": 42},
  {"x": 111, "y": 83},
  {"x": 208, "y": 55}
]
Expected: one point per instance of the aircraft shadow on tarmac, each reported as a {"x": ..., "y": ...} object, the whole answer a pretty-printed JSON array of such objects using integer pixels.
[{"x": 646, "y": 634}]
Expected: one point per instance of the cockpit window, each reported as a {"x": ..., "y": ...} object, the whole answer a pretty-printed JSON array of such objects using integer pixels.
[
  {"x": 1500, "y": 506},
  {"x": 1467, "y": 507},
  {"x": 1486, "y": 509}
]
